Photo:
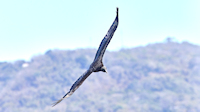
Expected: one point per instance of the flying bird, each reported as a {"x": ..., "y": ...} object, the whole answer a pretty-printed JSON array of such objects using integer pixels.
[{"x": 97, "y": 64}]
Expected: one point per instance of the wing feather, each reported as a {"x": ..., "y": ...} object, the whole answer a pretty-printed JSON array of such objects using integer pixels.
[
  {"x": 106, "y": 39},
  {"x": 74, "y": 87}
]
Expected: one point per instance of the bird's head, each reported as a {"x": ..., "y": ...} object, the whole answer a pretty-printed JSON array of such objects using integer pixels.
[{"x": 104, "y": 69}]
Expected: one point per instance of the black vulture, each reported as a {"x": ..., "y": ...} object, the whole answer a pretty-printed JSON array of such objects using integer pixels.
[{"x": 97, "y": 64}]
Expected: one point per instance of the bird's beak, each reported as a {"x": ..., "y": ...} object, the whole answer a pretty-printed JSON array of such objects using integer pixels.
[{"x": 106, "y": 71}]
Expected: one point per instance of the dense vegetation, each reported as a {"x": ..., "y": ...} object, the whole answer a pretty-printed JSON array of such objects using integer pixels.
[{"x": 160, "y": 77}]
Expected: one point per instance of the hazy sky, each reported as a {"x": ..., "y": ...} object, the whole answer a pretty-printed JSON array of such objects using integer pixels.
[{"x": 31, "y": 27}]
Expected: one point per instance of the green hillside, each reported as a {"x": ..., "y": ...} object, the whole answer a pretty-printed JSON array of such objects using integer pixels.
[{"x": 160, "y": 77}]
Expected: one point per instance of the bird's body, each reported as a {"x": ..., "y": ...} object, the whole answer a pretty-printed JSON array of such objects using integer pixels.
[{"x": 97, "y": 64}]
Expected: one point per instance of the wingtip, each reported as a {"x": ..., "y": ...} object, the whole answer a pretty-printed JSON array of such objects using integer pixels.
[
  {"x": 117, "y": 11},
  {"x": 65, "y": 96},
  {"x": 54, "y": 104}
]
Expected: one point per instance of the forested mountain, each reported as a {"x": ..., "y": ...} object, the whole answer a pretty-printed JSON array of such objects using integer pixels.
[{"x": 160, "y": 77}]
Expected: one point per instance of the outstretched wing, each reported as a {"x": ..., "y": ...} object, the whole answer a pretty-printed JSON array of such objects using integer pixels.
[
  {"x": 106, "y": 39},
  {"x": 75, "y": 86}
]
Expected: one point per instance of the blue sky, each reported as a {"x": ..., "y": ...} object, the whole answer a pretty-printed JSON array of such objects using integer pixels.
[{"x": 29, "y": 28}]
